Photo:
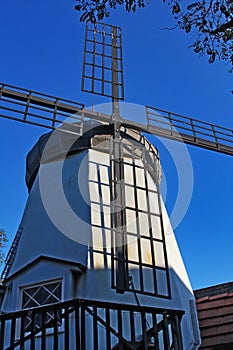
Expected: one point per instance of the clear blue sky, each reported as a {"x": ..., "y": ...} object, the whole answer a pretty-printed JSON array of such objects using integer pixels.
[{"x": 42, "y": 48}]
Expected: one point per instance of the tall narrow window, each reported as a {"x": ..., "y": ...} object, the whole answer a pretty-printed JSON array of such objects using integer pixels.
[
  {"x": 146, "y": 257},
  {"x": 144, "y": 260}
]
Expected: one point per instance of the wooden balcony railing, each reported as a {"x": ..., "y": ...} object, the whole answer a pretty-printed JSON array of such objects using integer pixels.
[{"x": 84, "y": 324}]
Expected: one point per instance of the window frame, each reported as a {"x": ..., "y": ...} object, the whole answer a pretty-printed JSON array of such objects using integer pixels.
[{"x": 40, "y": 284}]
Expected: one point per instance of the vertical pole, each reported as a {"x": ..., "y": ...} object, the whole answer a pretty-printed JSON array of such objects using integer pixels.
[
  {"x": 2, "y": 333},
  {"x": 178, "y": 332},
  {"x": 118, "y": 171},
  {"x": 166, "y": 342}
]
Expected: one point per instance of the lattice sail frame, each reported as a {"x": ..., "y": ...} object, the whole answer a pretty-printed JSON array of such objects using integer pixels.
[{"x": 102, "y": 64}]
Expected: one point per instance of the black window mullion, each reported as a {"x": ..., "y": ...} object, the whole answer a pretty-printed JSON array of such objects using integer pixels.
[
  {"x": 137, "y": 221},
  {"x": 102, "y": 221},
  {"x": 163, "y": 234},
  {"x": 143, "y": 211},
  {"x": 150, "y": 225},
  {"x": 124, "y": 219},
  {"x": 119, "y": 217}
]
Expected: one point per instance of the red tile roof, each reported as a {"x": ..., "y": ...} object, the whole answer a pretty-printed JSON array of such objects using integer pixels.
[{"x": 215, "y": 314}]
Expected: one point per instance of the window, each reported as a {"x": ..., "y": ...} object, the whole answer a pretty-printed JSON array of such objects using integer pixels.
[
  {"x": 135, "y": 251},
  {"x": 39, "y": 295},
  {"x": 145, "y": 257}
]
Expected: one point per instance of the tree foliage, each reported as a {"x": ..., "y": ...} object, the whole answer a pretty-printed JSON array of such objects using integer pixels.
[
  {"x": 3, "y": 240},
  {"x": 212, "y": 21}
]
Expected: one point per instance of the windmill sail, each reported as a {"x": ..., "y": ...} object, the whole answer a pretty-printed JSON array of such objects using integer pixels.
[
  {"x": 102, "y": 64},
  {"x": 49, "y": 112}
]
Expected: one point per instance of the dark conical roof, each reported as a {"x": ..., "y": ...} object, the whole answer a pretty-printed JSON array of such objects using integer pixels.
[{"x": 60, "y": 140}]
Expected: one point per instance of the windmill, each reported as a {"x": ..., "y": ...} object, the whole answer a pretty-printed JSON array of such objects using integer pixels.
[{"x": 133, "y": 315}]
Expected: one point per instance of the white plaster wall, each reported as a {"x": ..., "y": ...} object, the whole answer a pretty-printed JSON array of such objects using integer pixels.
[{"x": 40, "y": 236}]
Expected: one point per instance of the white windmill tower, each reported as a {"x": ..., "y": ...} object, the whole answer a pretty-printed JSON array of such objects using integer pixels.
[{"x": 92, "y": 265}]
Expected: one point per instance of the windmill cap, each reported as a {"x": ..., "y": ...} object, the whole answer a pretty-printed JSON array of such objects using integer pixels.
[{"x": 95, "y": 135}]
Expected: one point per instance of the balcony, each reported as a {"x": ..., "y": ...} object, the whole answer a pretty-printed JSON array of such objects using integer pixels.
[{"x": 90, "y": 325}]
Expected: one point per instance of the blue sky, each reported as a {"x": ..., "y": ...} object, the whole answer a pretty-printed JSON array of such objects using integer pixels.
[{"x": 42, "y": 49}]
